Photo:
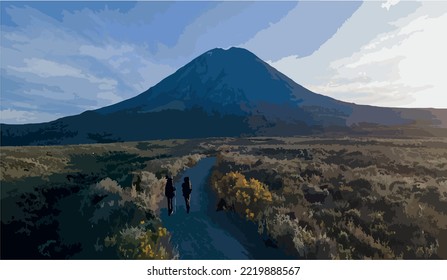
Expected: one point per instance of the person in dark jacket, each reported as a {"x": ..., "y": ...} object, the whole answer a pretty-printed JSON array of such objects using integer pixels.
[
  {"x": 169, "y": 193},
  {"x": 187, "y": 189}
]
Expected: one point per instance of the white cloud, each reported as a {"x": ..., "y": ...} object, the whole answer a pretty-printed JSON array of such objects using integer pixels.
[
  {"x": 25, "y": 105},
  {"x": 403, "y": 67},
  {"x": 117, "y": 62},
  {"x": 110, "y": 97},
  {"x": 152, "y": 73},
  {"x": 389, "y": 3},
  {"x": 45, "y": 68},
  {"x": 104, "y": 52},
  {"x": 18, "y": 116},
  {"x": 306, "y": 27},
  {"x": 64, "y": 68},
  {"x": 408, "y": 62}
]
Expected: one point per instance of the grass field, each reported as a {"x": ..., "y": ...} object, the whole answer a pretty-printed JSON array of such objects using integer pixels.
[
  {"x": 324, "y": 198},
  {"x": 88, "y": 201},
  {"x": 341, "y": 198}
]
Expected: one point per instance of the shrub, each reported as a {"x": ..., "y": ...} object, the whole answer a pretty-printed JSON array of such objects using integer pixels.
[
  {"x": 249, "y": 197},
  {"x": 141, "y": 242}
]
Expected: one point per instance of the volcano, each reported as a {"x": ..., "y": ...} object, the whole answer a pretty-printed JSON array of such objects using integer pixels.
[{"x": 227, "y": 93}]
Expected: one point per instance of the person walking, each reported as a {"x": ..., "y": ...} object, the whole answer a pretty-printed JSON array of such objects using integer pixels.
[
  {"x": 187, "y": 189},
  {"x": 169, "y": 193}
]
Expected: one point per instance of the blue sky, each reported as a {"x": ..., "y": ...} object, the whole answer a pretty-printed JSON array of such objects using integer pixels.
[{"x": 62, "y": 58}]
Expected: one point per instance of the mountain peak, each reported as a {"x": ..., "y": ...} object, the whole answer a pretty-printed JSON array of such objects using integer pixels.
[
  {"x": 228, "y": 81},
  {"x": 230, "y": 50},
  {"x": 233, "y": 54}
]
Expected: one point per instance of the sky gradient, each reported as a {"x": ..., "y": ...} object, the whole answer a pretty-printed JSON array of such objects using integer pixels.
[{"x": 62, "y": 58}]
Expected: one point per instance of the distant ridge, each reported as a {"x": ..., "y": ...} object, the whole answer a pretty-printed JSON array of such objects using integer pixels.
[{"x": 227, "y": 93}]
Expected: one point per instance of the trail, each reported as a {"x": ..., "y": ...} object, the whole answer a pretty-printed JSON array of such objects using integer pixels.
[{"x": 207, "y": 234}]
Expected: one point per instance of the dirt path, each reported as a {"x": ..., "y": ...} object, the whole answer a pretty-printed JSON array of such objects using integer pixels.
[{"x": 207, "y": 234}]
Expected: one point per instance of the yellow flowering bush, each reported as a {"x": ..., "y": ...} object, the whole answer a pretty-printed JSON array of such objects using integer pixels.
[
  {"x": 251, "y": 194},
  {"x": 140, "y": 242}
]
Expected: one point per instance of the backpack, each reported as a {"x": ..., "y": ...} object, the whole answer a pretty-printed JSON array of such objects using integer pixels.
[
  {"x": 169, "y": 189},
  {"x": 186, "y": 188}
]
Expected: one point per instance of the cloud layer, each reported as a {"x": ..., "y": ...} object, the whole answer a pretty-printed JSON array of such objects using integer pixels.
[
  {"x": 400, "y": 64},
  {"x": 62, "y": 58}
]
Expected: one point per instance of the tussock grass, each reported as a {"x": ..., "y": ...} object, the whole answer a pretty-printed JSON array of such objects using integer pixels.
[
  {"x": 88, "y": 201},
  {"x": 349, "y": 198}
]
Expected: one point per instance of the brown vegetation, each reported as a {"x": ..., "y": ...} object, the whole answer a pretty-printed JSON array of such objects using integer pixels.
[
  {"x": 342, "y": 198},
  {"x": 88, "y": 201},
  {"x": 323, "y": 198}
]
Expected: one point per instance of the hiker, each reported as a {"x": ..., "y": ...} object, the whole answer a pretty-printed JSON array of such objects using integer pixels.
[
  {"x": 187, "y": 189},
  {"x": 169, "y": 193}
]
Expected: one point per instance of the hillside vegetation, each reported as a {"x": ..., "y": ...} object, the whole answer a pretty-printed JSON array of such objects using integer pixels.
[
  {"x": 315, "y": 198},
  {"x": 88, "y": 201},
  {"x": 340, "y": 198}
]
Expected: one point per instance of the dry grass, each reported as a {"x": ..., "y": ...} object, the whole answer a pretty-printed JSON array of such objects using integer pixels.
[
  {"x": 82, "y": 201},
  {"x": 347, "y": 198},
  {"x": 324, "y": 198}
]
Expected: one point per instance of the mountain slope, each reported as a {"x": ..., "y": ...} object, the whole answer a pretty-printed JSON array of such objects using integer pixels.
[
  {"x": 232, "y": 81},
  {"x": 225, "y": 93}
]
